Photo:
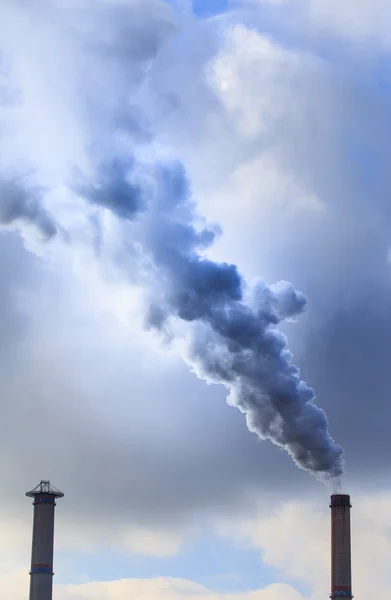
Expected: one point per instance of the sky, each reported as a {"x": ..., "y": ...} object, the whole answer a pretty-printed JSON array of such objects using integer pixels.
[{"x": 195, "y": 219}]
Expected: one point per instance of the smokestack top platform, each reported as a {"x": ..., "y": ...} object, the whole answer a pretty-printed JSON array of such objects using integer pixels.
[{"x": 45, "y": 489}]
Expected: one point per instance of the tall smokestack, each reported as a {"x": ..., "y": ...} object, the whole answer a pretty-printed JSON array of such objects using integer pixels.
[
  {"x": 41, "y": 580},
  {"x": 341, "y": 571}
]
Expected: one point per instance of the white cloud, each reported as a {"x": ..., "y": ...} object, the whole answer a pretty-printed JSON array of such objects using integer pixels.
[
  {"x": 15, "y": 542},
  {"x": 126, "y": 538},
  {"x": 15, "y": 585},
  {"x": 265, "y": 122},
  {"x": 363, "y": 20},
  {"x": 167, "y": 589},
  {"x": 296, "y": 540},
  {"x": 360, "y": 21},
  {"x": 231, "y": 76}
]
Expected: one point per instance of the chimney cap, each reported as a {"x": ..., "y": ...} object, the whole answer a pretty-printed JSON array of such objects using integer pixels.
[
  {"x": 340, "y": 500},
  {"x": 45, "y": 488}
]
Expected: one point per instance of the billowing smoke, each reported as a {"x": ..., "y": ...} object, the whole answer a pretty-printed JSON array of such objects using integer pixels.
[{"x": 231, "y": 326}]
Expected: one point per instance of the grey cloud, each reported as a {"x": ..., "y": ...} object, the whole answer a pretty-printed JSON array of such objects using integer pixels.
[
  {"x": 19, "y": 203},
  {"x": 86, "y": 61},
  {"x": 17, "y": 273},
  {"x": 113, "y": 189}
]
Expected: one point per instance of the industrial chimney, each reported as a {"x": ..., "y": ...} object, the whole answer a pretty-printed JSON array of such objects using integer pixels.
[
  {"x": 41, "y": 573},
  {"x": 341, "y": 572}
]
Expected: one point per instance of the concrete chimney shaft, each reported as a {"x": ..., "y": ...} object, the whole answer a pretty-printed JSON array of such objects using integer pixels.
[
  {"x": 41, "y": 580},
  {"x": 341, "y": 571}
]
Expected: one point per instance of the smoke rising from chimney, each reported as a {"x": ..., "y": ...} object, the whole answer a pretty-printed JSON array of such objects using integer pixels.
[{"x": 231, "y": 325}]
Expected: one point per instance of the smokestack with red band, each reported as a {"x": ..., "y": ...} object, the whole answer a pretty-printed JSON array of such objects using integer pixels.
[
  {"x": 341, "y": 572},
  {"x": 41, "y": 580}
]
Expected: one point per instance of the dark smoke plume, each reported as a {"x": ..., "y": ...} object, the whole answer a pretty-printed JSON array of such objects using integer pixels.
[{"x": 234, "y": 338}]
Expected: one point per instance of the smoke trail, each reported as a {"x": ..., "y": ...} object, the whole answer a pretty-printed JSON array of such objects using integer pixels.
[
  {"x": 233, "y": 336},
  {"x": 231, "y": 326}
]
